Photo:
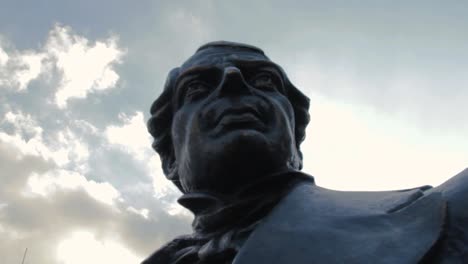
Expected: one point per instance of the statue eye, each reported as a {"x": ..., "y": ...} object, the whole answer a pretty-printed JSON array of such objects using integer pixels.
[
  {"x": 195, "y": 90},
  {"x": 264, "y": 81}
]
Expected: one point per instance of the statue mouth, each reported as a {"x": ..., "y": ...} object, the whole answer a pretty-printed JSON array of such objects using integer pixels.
[
  {"x": 240, "y": 118},
  {"x": 239, "y": 113}
]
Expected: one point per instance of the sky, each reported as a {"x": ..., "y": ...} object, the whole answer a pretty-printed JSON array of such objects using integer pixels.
[{"x": 388, "y": 83}]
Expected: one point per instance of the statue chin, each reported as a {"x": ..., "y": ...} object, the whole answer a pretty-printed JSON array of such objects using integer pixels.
[
  {"x": 245, "y": 141},
  {"x": 231, "y": 161}
]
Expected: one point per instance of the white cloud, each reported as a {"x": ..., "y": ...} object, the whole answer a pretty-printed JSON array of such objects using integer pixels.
[
  {"x": 23, "y": 123},
  {"x": 144, "y": 212},
  {"x": 62, "y": 148},
  {"x": 38, "y": 195},
  {"x": 132, "y": 136},
  {"x": 85, "y": 126},
  {"x": 83, "y": 247},
  {"x": 53, "y": 181},
  {"x": 3, "y": 57},
  {"x": 12, "y": 234},
  {"x": 33, "y": 67},
  {"x": 18, "y": 69},
  {"x": 45, "y": 158},
  {"x": 27, "y": 137},
  {"x": 86, "y": 67},
  {"x": 77, "y": 151}
]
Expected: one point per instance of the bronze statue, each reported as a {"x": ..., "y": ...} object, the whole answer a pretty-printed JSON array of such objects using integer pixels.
[{"x": 228, "y": 128}]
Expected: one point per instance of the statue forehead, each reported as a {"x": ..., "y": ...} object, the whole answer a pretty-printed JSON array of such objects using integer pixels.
[{"x": 221, "y": 56}]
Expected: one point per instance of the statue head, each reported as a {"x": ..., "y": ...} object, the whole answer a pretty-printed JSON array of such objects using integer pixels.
[{"x": 226, "y": 117}]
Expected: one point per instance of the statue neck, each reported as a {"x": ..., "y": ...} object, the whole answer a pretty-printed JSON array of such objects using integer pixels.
[{"x": 217, "y": 213}]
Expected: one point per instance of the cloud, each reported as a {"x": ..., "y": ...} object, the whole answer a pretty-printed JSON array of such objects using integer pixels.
[
  {"x": 86, "y": 68},
  {"x": 131, "y": 136},
  {"x": 33, "y": 64},
  {"x": 82, "y": 67},
  {"x": 63, "y": 180},
  {"x": 48, "y": 209},
  {"x": 143, "y": 212},
  {"x": 62, "y": 147},
  {"x": 3, "y": 57},
  {"x": 50, "y": 199},
  {"x": 18, "y": 69}
]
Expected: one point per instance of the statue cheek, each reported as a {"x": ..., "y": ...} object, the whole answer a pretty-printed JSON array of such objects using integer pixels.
[
  {"x": 178, "y": 131},
  {"x": 284, "y": 112},
  {"x": 287, "y": 109}
]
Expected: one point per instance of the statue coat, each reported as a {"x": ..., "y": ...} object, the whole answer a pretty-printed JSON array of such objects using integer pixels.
[{"x": 317, "y": 225}]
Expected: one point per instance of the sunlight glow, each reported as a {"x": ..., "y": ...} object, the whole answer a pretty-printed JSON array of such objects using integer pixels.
[{"x": 82, "y": 247}]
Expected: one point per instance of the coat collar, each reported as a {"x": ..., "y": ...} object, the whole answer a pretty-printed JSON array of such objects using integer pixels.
[{"x": 317, "y": 225}]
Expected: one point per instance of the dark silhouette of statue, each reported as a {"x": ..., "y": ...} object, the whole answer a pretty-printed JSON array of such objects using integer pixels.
[{"x": 228, "y": 128}]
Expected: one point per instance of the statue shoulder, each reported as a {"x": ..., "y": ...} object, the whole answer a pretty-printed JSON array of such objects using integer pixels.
[
  {"x": 455, "y": 191},
  {"x": 454, "y": 246}
]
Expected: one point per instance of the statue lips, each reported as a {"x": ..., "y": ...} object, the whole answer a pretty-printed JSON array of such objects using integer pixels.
[{"x": 245, "y": 117}]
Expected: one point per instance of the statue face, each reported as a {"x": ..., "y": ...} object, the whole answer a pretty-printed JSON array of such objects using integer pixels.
[{"x": 232, "y": 122}]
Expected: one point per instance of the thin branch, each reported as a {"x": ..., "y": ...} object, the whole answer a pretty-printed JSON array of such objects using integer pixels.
[{"x": 24, "y": 256}]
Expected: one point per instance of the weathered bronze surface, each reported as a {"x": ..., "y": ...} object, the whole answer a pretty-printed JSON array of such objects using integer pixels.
[{"x": 228, "y": 127}]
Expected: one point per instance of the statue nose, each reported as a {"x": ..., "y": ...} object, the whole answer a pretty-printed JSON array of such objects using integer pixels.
[{"x": 233, "y": 82}]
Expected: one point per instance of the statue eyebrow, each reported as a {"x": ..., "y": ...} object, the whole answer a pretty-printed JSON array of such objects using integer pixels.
[
  {"x": 194, "y": 72},
  {"x": 191, "y": 74},
  {"x": 206, "y": 70}
]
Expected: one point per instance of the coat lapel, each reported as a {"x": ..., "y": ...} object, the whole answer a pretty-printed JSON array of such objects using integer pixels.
[{"x": 316, "y": 225}]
